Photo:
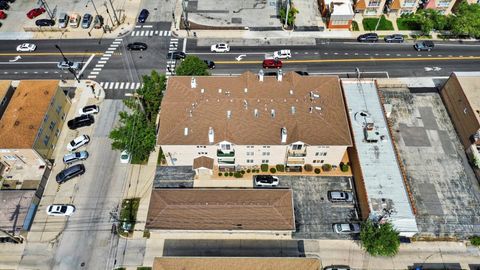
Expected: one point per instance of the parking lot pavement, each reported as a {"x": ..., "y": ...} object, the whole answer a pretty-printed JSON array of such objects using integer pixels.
[
  {"x": 314, "y": 214},
  {"x": 444, "y": 187}
]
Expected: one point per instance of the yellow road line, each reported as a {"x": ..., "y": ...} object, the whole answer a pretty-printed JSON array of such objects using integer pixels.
[
  {"x": 358, "y": 60},
  {"x": 51, "y": 53}
]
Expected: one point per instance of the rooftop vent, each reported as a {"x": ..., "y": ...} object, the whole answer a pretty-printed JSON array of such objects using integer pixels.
[
  {"x": 202, "y": 90},
  {"x": 279, "y": 75},
  {"x": 260, "y": 75},
  {"x": 229, "y": 114},
  {"x": 293, "y": 110},
  {"x": 245, "y": 90},
  {"x": 245, "y": 104},
  {"x": 291, "y": 92},
  {"x": 190, "y": 113},
  {"x": 220, "y": 90},
  {"x": 314, "y": 95},
  {"x": 193, "y": 82},
  {"x": 272, "y": 112},
  {"x": 185, "y": 132},
  {"x": 255, "y": 113},
  {"x": 284, "y": 134},
  {"x": 211, "y": 135},
  {"x": 318, "y": 108}
]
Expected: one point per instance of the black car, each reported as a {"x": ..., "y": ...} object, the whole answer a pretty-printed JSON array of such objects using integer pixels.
[
  {"x": 142, "y": 17},
  {"x": 176, "y": 55},
  {"x": 69, "y": 173},
  {"x": 210, "y": 64},
  {"x": 368, "y": 37},
  {"x": 137, "y": 46},
  {"x": 394, "y": 38},
  {"x": 426, "y": 45},
  {"x": 4, "y": 5},
  {"x": 81, "y": 121},
  {"x": 45, "y": 22},
  {"x": 302, "y": 73}
]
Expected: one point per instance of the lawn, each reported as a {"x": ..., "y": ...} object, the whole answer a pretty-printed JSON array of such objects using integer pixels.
[
  {"x": 370, "y": 23},
  {"x": 407, "y": 24},
  {"x": 128, "y": 215}
]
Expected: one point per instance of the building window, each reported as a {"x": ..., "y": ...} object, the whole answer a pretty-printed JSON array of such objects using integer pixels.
[
  {"x": 297, "y": 147},
  {"x": 265, "y": 161},
  {"x": 4, "y": 101},
  {"x": 266, "y": 146},
  {"x": 52, "y": 125},
  {"x": 46, "y": 118},
  {"x": 265, "y": 153},
  {"x": 249, "y": 146},
  {"x": 63, "y": 116},
  {"x": 320, "y": 154},
  {"x": 8, "y": 157},
  {"x": 374, "y": 3},
  {"x": 59, "y": 109},
  {"x": 250, "y": 153},
  {"x": 201, "y": 146},
  {"x": 249, "y": 160},
  {"x": 46, "y": 139},
  {"x": 57, "y": 132},
  {"x": 202, "y": 153},
  {"x": 225, "y": 147}
]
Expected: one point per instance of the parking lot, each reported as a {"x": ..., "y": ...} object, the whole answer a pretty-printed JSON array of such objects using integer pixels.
[
  {"x": 314, "y": 214},
  {"x": 444, "y": 187}
]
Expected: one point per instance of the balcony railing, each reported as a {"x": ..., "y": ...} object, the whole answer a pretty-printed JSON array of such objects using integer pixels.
[
  {"x": 220, "y": 153},
  {"x": 220, "y": 161},
  {"x": 297, "y": 154}
]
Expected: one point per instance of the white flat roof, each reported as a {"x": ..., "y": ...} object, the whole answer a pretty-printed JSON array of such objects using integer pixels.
[{"x": 381, "y": 172}]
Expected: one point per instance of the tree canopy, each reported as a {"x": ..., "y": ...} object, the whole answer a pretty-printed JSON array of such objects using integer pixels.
[
  {"x": 466, "y": 20},
  {"x": 379, "y": 239},
  {"x": 192, "y": 66}
]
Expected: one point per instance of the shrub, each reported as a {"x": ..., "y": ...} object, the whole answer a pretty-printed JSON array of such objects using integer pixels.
[
  {"x": 280, "y": 167},
  {"x": 242, "y": 172},
  {"x": 408, "y": 23},
  {"x": 230, "y": 174},
  {"x": 146, "y": 233},
  {"x": 326, "y": 167},
  {"x": 248, "y": 170},
  {"x": 475, "y": 240},
  {"x": 343, "y": 167},
  {"x": 219, "y": 174},
  {"x": 355, "y": 26},
  {"x": 317, "y": 170},
  {"x": 238, "y": 175},
  {"x": 257, "y": 170},
  {"x": 273, "y": 170},
  {"x": 308, "y": 167},
  {"x": 264, "y": 167}
]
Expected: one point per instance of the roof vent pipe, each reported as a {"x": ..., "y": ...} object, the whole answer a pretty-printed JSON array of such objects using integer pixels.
[
  {"x": 193, "y": 83},
  {"x": 284, "y": 134},
  {"x": 260, "y": 75},
  {"x": 211, "y": 135},
  {"x": 279, "y": 75}
]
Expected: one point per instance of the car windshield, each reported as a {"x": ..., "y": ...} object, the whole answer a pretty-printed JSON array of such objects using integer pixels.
[
  {"x": 63, "y": 209},
  {"x": 351, "y": 227}
]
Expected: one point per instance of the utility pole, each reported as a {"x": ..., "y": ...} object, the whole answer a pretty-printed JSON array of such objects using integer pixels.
[
  {"x": 114, "y": 13},
  {"x": 108, "y": 12},
  {"x": 47, "y": 8},
  {"x": 285, "y": 25},
  {"x": 68, "y": 63}
]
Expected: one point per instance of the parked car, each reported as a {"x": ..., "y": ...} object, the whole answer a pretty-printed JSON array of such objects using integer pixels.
[
  {"x": 397, "y": 38},
  {"x": 337, "y": 267},
  {"x": 3, "y": 15},
  {"x": 62, "y": 20},
  {"x": 98, "y": 22},
  {"x": 282, "y": 54},
  {"x": 346, "y": 228},
  {"x": 74, "y": 20},
  {"x": 176, "y": 55},
  {"x": 220, "y": 47},
  {"x": 426, "y": 45},
  {"x": 142, "y": 17},
  {"x": 89, "y": 109},
  {"x": 339, "y": 196},
  {"x": 74, "y": 157},
  {"x": 67, "y": 65},
  {"x": 81, "y": 121},
  {"x": 137, "y": 46},
  {"x": 26, "y": 47},
  {"x": 125, "y": 157},
  {"x": 35, "y": 12},
  {"x": 78, "y": 142},
  {"x": 4, "y": 5},
  {"x": 45, "y": 22},
  {"x": 302, "y": 73},
  {"x": 272, "y": 63},
  {"x": 368, "y": 37},
  {"x": 69, "y": 173},
  {"x": 265, "y": 180},
  {"x": 60, "y": 210},
  {"x": 86, "y": 21},
  {"x": 210, "y": 64}
]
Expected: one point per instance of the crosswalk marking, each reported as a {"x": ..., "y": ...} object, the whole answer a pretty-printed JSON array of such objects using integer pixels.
[
  {"x": 114, "y": 45},
  {"x": 102, "y": 62},
  {"x": 150, "y": 33},
  {"x": 91, "y": 77},
  {"x": 97, "y": 69},
  {"x": 127, "y": 85},
  {"x": 121, "y": 85},
  {"x": 94, "y": 72},
  {"x": 116, "y": 85},
  {"x": 117, "y": 42},
  {"x": 104, "y": 58}
]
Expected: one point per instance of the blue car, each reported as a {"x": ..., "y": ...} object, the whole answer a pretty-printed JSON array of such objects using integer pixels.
[{"x": 143, "y": 16}]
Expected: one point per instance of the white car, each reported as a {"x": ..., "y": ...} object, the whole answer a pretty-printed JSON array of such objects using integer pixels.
[
  {"x": 78, "y": 142},
  {"x": 282, "y": 54},
  {"x": 266, "y": 181},
  {"x": 60, "y": 210},
  {"x": 90, "y": 109},
  {"x": 346, "y": 228},
  {"x": 26, "y": 47},
  {"x": 125, "y": 157},
  {"x": 220, "y": 47}
]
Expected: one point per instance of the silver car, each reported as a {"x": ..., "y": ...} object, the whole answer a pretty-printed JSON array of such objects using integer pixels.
[
  {"x": 66, "y": 65},
  {"x": 62, "y": 20},
  {"x": 346, "y": 228},
  {"x": 75, "y": 156}
]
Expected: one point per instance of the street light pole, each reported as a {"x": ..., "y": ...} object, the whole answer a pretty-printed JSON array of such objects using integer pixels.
[{"x": 285, "y": 25}]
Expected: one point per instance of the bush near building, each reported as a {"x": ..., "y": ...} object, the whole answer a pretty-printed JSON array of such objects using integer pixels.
[
  {"x": 326, "y": 167},
  {"x": 128, "y": 215},
  {"x": 408, "y": 23},
  {"x": 475, "y": 240},
  {"x": 355, "y": 26},
  {"x": 264, "y": 167},
  {"x": 273, "y": 170},
  {"x": 280, "y": 167},
  {"x": 369, "y": 24},
  {"x": 308, "y": 167},
  {"x": 379, "y": 239}
]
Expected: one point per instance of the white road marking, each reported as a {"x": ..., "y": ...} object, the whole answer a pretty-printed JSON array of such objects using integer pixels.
[
  {"x": 116, "y": 85},
  {"x": 132, "y": 86},
  {"x": 106, "y": 85},
  {"x": 91, "y": 76},
  {"x": 117, "y": 42},
  {"x": 107, "y": 55},
  {"x": 100, "y": 66},
  {"x": 97, "y": 69},
  {"x": 102, "y": 62},
  {"x": 101, "y": 84},
  {"x": 118, "y": 39},
  {"x": 121, "y": 85},
  {"x": 148, "y": 26},
  {"x": 86, "y": 64},
  {"x": 94, "y": 73},
  {"x": 114, "y": 45},
  {"x": 104, "y": 58},
  {"x": 127, "y": 85}
]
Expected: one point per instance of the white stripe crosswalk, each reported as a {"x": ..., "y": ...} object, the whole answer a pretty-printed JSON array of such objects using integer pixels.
[
  {"x": 150, "y": 33},
  {"x": 105, "y": 57},
  {"x": 120, "y": 85}
]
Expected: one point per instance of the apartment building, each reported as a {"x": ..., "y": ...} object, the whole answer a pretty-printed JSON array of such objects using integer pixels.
[
  {"x": 244, "y": 121},
  {"x": 30, "y": 126},
  {"x": 339, "y": 13},
  {"x": 443, "y": 6},
  {"x": 400, "y": 7},
  {"x": 369, "y": 7}
]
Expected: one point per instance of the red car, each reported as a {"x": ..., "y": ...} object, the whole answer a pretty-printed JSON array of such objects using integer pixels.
[
  {"x": 35, "y": 12},
  {"x": 3, "y": 15},
  {"x": 272, "y": 63}
]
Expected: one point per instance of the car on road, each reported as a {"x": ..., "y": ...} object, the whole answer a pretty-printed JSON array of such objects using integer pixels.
[
  {"x": 426, "y": 45},
  {"x": 4, "y": 5},
  {"x": 272, "y": 63},
  {"x": 69, "y": 64},
  {"x": 220, "y": 47},
  {"x": 137, "y": 46},
  {"x": 81, "y": 121},
  {"x": 45, "y": 22},
  {"x": 26, "y": 47},
  {"x": 301, "y": 72},
  {"x": 265, "y": 180},
  {"x": 3, "y": 15},
  {"x": 125, "y": 157},
  {"x": 339, "y": 196},
  {"x": 89, "y": 109},
  {"x": 69, "y": 173},
  {"x": 35, "y": 12},
  {"x": 395, "y": 38},
  {"x": 86, "y": 21},
  {"x": 78, "y": 142},
  {"x": 210, "y": 64},
  {"x": 74, "y": 157},
  {"x": 60, "y": 210},
  {"x": 282, "y": 54},
  {"x": 98, "y": 22},
  {"x": 62, "y": 20},
  {"x": 176, "y": 55},
  {"x": 368, "y": 37},
  {"x": 142, "y": 17},
  {"x": 346, "y": 228},
  {"x": 74, "y": 20}
]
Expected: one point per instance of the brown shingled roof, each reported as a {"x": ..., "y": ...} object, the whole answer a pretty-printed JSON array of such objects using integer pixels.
[
  {"x": 25, "y": 112},
  {"x": 221, "y": 209},
  {"x": 360, "y": 5},
  {"x": 215, "y": 263},
  {"x": 203, "y": 162},
  {"x": 186, "y": 110}
]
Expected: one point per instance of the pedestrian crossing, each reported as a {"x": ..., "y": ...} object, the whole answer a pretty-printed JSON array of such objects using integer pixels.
[
  {"x": 105, "y": 57},
  {"x": 171, "y": 64},
  {"x": 150, "y": 33},
  {"x": 121, "y": 85}
]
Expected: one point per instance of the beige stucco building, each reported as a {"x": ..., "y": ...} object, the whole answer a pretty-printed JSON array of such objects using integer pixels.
[
  {"x": 248, "y": 120},
  {"x": 30, "y": 126}
]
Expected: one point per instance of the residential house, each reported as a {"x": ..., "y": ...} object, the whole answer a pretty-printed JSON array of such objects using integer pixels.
[
  {"x": 369, "y": 7},
  {"x": 400, "y": 7},
  {"x": 339, "y": 13},
  {"x": 443, "y": 6},
  {"x": 244, "y": 121}
]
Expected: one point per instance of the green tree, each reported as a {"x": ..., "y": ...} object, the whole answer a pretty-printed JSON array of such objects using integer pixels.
[
  {"x": 426, "y": 23},
  {"x": 292, "y": 12},
  {"x": 466, "y": 20},
  {"x": 192, "y": 66},
  {"x": 379, "y": 239}
]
